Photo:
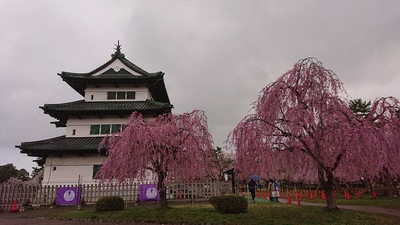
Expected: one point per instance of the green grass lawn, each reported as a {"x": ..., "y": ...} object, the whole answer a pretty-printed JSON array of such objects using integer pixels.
[{"x": 263, "y": 212}]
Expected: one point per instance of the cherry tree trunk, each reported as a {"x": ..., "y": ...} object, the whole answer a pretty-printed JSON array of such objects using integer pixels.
[
  {"x": 390, "y": 182},
  {"x": 162, "y": 190},
  {"x": 327, "y": 180}
]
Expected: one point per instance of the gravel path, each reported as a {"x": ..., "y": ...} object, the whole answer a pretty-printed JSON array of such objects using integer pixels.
[{"x": 369, "y": 209}]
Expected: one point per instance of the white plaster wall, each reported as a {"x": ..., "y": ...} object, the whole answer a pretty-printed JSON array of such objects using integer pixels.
[
  {"x": 68, "y": 168},
  {"x": 82, "y": 126},
  {"x": 100, "y": 94}
]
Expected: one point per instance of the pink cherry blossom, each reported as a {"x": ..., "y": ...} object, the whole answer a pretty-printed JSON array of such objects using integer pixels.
[
  {"x": 303, "y": 129},
  {"x": 173, "y": 147}
]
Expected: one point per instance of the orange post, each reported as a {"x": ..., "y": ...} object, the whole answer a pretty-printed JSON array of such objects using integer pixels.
[
  {"x": 288, "y": 201},
  {"x": 298, "y": 196},
  {"x": 348, "y": 195},
  {"x": 323, "y": 195},
  {"x": 14, "y": 207}
]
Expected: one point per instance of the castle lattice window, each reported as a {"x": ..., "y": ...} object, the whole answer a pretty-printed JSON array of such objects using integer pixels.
[
  {"x": 130, "y": 95},
  {"x": 96, "y": 169},
  {"x": 105, "y": 129},
  {"x": 112, "y": 95},
  {"x": 95, "y": 129}
]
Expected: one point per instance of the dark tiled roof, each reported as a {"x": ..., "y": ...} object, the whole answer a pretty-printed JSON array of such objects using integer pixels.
[
  {"x": 125, "y": 61},
  {"x": 129, "y": 64},
  {"x": 61, "y": 145},
  {"x": 119, "y": 77},
  {"x": 121, "y": 108},
  {"x": 79, "y": 81},
  {"x": 114, "y": 106}
]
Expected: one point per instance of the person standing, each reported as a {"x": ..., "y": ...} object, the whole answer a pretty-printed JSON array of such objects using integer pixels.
[
  {"x": 276, "y": 191},
  {"x": 271, "y": 189},
  {"x": 252, "y": 189}
]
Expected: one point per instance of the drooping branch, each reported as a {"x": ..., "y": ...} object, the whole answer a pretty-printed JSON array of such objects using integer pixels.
[{"x": 304, "y": 128}]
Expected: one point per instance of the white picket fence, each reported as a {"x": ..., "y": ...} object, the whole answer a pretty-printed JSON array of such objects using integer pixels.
[{"x": 46, "y": 195}]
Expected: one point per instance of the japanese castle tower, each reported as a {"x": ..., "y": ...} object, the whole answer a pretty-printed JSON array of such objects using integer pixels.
[{"x": 110, "y": 94}]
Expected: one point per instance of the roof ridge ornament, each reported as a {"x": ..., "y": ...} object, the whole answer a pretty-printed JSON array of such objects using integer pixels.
[{"x": 118, "y": 51}]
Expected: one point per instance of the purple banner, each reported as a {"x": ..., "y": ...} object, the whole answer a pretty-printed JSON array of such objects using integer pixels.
[
  {"x": 68, "y": 195},
  {"x": 148, "y": 192}
]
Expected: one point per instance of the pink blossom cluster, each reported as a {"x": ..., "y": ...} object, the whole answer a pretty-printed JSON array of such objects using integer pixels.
[{"x": 303, "y": 129}]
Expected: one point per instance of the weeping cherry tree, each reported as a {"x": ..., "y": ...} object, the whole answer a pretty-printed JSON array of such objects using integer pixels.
[
  {"x": 303, "y": 130},
  {"x": 385, "y": 119},
  {"x": 173, "y": 147}
]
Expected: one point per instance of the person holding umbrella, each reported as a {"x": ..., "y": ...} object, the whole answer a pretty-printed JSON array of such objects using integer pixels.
[{"x": 252, "y": 186}]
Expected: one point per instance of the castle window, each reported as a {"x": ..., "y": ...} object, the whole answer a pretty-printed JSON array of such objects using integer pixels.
[
  {"x": 95, "y": 129},
  {"x": 130, "y": 95},
  {"x": 96, "y": 169},
  {"x": 121, "y": 95},
  {"x": 111, "y": 95},
  {"x": 105, "y": 129},
  {"x": 115, "y": 128}
]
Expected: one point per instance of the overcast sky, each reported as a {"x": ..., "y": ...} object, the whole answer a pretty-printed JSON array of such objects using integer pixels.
[{"x": 216, "y": 55}]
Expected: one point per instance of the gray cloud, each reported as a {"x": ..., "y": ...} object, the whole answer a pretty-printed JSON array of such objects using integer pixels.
[{"x": 217, "y": 55}]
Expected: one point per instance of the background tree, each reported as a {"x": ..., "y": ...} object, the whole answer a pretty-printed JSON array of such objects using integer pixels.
[
  {"x": 385, "y": 119},
  {"x": 303, "y": 129},
  {"x": 360, "y": 107},
  {"x": 37, "y": 174},
  {"x": 218, "y": 164},
  {"x": 8, "y": 171},
  {"x": 173, "y": 147},
  {"x": 23, "y": 175}
]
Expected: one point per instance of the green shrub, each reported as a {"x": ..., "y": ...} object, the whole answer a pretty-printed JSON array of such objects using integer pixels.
[
  {"x": 110, "y": 203},
  {"x": 229, "y": 204}
]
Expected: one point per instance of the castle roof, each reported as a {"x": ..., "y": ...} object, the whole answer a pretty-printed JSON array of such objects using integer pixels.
[
  {"x": 61, "y": 145},
  {"x": 129, "y": 73},
  {"x": 81, "y": 108}
]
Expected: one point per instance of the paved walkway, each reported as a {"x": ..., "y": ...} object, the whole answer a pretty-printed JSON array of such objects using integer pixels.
[{"x": 369, "y": 209}]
